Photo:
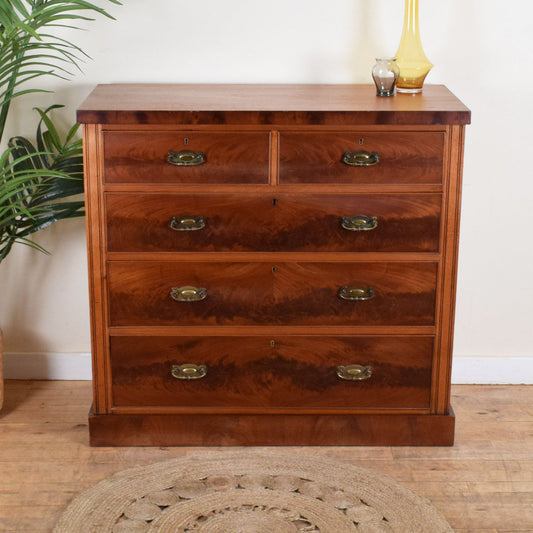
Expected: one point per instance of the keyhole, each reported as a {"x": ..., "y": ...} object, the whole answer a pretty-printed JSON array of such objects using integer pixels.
[
  {"x": 274, "y": 270},
  {"x": 361, "y": 140},
  {"x": 186, "y": 141},
  {"x": 272, "y": 344}
]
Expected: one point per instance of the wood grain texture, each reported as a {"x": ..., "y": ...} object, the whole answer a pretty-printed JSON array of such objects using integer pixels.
[
  {"x": 271, "y": 294},
  {"x": 268, "y": 104},
  {"x": 233, "y": 157},
  {"x": 448, "y": 272},
  {"x": 93, "y": 169},
  {"x": 272, "y": 372},
  {"x": 483, "y": 484},
  {"x": 268, "y": 430},
  {"x": 274, "y": 223},
  {"x": 404, "y": 157},
  {"x": 273, "y": 255}
]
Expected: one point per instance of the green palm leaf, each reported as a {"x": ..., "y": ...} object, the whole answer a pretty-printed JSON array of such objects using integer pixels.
[
  {"x": 36, "y": 180},
  {"x": 27, "y": 52}
]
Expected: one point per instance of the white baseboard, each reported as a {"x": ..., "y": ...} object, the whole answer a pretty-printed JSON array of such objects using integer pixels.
[
  {"x": 492, "y": 370},
  {"x": 77, "y": 366},
  {"x": 64, "y": 366}
]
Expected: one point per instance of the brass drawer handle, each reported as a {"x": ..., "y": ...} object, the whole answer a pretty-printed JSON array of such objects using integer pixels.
[
  {"x": 356, "y": 293},
  {"x": 187, "y": 223},
  {"x": 360, "y": 158},
  {"x": 354, "y": 372},
  {"x": 186, "y": 158},
  {"x": 189, "y": 371},
  {"x": 359, "y": 223},
  {"x": 188, "y": 294}
]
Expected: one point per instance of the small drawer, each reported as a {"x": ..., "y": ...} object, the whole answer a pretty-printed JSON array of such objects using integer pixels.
[
  {"x": 336, "y": 223},
  {"x": 361, "y": 157},
  {"x": 154, "y": 293},
  {"x": 295, "y": 372},
  {"x": 186, "y": 157}
]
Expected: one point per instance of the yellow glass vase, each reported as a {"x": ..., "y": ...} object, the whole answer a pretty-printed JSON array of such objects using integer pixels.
[{"x": 413, "y": 63}]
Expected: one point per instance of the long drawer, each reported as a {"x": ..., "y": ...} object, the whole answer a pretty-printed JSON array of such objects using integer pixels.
[
  {"x": 310, "y": 372},
  {"x": 186, "y": 157},
  {"x": 155, "y": 293},
  {"x": 361, "y": 157},
  {"x": 338, "y": 223}
]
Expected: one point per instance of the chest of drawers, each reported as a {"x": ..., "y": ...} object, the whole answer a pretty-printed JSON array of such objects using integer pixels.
[{"x": 272, "y": 264}]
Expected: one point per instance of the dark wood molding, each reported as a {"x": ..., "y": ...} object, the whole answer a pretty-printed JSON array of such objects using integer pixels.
[{"x": 268, "y": 104}]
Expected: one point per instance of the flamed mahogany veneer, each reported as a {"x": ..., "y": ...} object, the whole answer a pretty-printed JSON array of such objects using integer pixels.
[{"x": 272, "y": 264}]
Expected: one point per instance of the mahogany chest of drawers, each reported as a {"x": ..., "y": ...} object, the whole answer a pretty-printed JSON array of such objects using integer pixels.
[{"x": 272, "y": 264}]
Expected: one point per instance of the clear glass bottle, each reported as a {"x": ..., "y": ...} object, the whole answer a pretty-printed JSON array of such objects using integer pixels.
[
  {"x": 385, "y": 74},
  {"x": 413, "y": 63}
]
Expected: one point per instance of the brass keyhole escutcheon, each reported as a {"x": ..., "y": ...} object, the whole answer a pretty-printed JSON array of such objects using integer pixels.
[
  {"x": 360, "y": 158},
  {"x": 189, "y": 371},
  {"x": 356, "y": 293},
  {"x": 359, "y": 223},
  {"x": 187, "y": 223},
  {"x": 188, "y": 294},
  {"x": 186, "y": 158},
  {"x": 354, "y": 372}
]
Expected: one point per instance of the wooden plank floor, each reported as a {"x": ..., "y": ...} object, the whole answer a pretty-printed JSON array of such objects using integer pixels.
[{"x": 482, "y": 484}]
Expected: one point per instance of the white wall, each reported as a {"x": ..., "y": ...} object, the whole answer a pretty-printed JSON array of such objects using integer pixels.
[{"x": 481, "y": 52}]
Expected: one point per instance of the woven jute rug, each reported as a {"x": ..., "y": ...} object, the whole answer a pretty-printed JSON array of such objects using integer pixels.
[{"x": 250, "y": 491}]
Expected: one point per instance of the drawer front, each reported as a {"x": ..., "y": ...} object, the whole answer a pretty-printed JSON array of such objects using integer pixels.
[
  {"x": 338, "y": 223},
  {"x": 402, "y": 157},
  {"x": 387, "y": 293},
  {"x": 228, "y": 157},
  {"x": 272, "y": 372}
]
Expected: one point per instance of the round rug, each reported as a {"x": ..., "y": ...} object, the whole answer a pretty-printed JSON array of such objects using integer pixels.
[{"x": 250, "y": 492}]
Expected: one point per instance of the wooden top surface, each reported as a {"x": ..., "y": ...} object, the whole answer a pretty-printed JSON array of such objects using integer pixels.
[{"x": 268, "y": 104}]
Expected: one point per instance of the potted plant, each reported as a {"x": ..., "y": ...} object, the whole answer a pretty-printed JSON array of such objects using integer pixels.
[{"x": 36, "y": 180}]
